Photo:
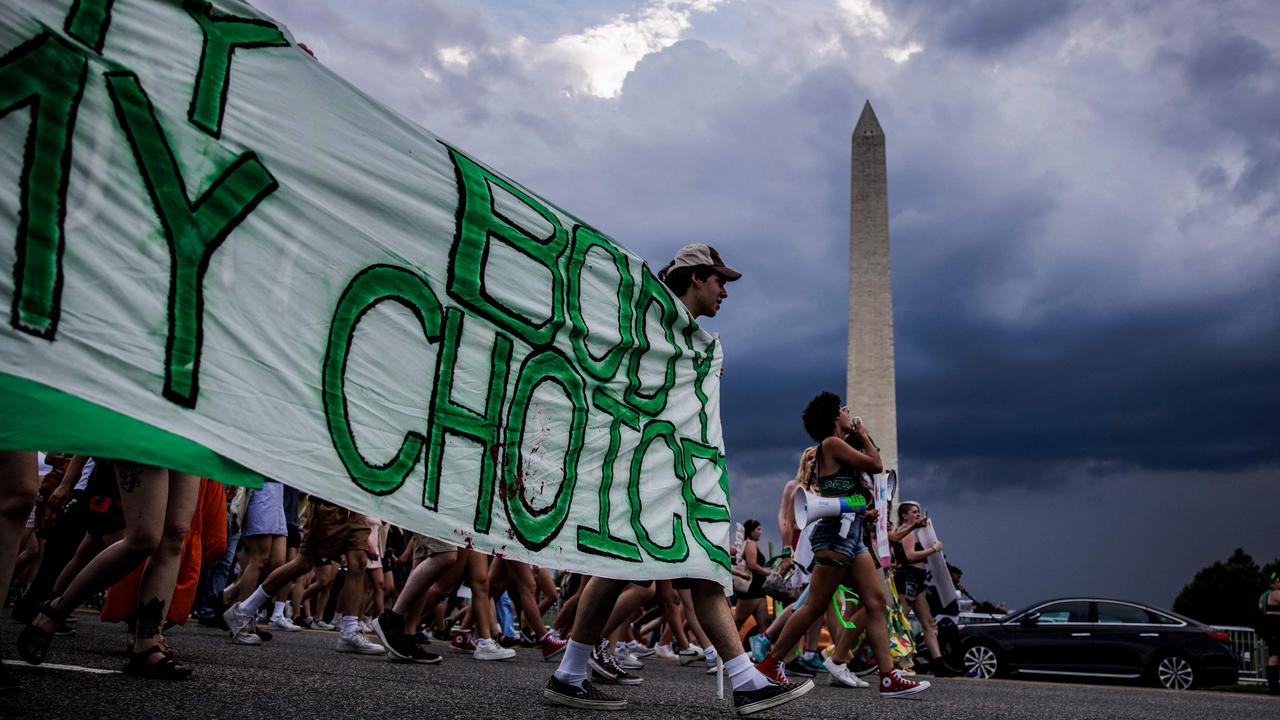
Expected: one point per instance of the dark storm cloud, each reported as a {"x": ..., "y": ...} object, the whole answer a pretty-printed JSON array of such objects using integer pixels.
[
  {"x": 1231, "y": 95},
  {"x": 983, "y": 26}
]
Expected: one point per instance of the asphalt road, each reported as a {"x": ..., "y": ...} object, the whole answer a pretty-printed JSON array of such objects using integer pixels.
[{"x": 300, "y": 676}]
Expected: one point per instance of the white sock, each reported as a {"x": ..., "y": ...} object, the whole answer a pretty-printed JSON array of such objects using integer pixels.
[
  {"x": 711, "y": 656},
  {"x": 618, "y": 647},
  {"x": 350, "y": 625},
  {"x": 744, "y": 676},
  {"x": 255, "y": 602},
  {"x": 810, "y": 654},
  {"x": 573, "y": 664},
  {"x": 277, "y": 610}
]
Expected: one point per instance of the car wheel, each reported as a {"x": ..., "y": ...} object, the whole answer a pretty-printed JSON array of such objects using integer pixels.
[
  {"x": 1175, "y": 672},
  {"x": 982, "y": 661}
]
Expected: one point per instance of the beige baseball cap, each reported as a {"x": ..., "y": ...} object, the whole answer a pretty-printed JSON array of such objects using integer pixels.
[{"x": 700, "y": 255}]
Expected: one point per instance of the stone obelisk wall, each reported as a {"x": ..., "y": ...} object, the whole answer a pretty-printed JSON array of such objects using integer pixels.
[{"x": 870, "y": 376}]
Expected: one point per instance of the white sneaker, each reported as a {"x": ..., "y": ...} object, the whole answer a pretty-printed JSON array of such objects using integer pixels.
[
  {"x": 241, "y": 625},
  {"x": 283, "y": 624},
  {"x": 639, "y": 650},
  {"x": 663, "y": 652},
  {"x": 359, "y": 644},
  {"x": 628, "y": 661},
  {"x": 322, "y": 625},
  {"x": 363, "y": 627},
  {"x": 487, "y": 649},
  {"x": 689, "y": 654},
  {"x": 841, "y": 677}
]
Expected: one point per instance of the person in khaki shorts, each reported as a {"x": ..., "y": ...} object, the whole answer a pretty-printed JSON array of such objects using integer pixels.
[{"x": 332, "y": 532}]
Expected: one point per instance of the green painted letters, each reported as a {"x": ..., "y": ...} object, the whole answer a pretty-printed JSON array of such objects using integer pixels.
[
  {"x": 223, "y": 35},
  {"x": 678, "y": 550},
  {"x": 479, "y": 223},
  {"x": 371, "y": 286},
  {"x": 88, "y": 22},
  {"x": 534, "y": 528},
  {"x": 603, "y": 369},
  {"x": 194, "y": 231},
  {"x": 46, "y": 75},
  {"x": 451, "y": 418},
  {"x": 602, "y": 542}
]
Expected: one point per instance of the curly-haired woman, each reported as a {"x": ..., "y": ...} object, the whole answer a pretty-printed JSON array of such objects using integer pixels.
[{"x": 839, "y": 552}]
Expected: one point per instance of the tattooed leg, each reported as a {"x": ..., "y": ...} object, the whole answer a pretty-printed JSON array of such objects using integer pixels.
[
  {"x": 160, "y": 576},
  {"x": 144, "y": 491}
]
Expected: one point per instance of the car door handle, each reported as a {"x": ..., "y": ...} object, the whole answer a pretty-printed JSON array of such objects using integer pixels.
[
  {"x": 1080, "y": 634},
  {"x": 1148, "y": 634}
]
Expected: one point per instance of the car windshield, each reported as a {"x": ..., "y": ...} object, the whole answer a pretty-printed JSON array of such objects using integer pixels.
[{"x": 1019, "y": 611}]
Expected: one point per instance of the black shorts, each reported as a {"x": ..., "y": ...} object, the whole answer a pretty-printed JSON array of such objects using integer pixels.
[
  {"x": 913, "y": 581},
  {"x": 294, "y": 537}
]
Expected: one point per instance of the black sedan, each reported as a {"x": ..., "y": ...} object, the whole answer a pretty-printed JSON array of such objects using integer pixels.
[{"x": 1100, "y": 638}]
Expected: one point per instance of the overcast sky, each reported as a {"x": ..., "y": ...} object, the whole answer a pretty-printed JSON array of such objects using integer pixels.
[{"x": 1084, "y": 215}]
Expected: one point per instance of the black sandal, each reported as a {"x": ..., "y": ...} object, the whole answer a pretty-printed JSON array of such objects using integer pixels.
[
  {"x": 33, "y": 643},
  {"x": 166, "y": 668}
]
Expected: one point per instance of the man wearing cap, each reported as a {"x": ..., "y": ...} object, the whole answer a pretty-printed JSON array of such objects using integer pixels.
[{"x": 697, "y": 276}]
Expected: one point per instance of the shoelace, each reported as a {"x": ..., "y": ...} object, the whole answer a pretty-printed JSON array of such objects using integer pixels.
[{"x": 606, "y": 658}]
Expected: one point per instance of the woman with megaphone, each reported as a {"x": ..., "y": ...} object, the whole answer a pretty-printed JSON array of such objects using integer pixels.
[{"x": 840, "y": 555}]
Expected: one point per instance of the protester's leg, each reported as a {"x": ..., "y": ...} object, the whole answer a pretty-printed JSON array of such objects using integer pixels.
[
  {"x": 351, "y": 597},
  {"x": 821, "y": 586},
  {"x": 144, "y": 492},
  {"x": 546, "y": 586},
  {"x": 631, "y": 599},
  {"x": 871, "y": 591},
  {"x": 925, "y": 616},
  {"x": 691, "y": 618},
  {"x": 564, "y": 619},
  {"x": 89, "y": 548},
  {"x": 671, "y": 613},
  {"x": 159, "y": 578},
  {"x": 481, "y": 603},
  {"x": 526, "y": 586},
  {"x": 19, "y": 484},
  {"x": 840, "y": 653},
  {"x": 256, "y": 565}
]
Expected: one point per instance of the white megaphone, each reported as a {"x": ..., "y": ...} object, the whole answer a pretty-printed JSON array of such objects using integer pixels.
[{"x": 811, "y": 507}]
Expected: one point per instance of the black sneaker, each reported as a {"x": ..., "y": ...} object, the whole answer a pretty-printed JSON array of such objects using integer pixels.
[
  {"x": 586, "y": 697},
  {"x": 606, "y": 667},
  {"x": 798, "y": 669},
  {"x": 417, "y": 654},
  {"x": 390, "y": 629},
  {"x": 753, "y": 701}
]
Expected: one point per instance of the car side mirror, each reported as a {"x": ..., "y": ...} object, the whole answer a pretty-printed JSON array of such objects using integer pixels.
[{"x": 1030, "y": 620}]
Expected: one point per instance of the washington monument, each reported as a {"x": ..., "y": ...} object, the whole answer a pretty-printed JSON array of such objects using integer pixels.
[{"x": 870, "y": 376}]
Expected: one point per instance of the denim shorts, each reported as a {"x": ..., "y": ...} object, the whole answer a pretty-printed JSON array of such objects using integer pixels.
[
  {"x": 826, "y": 535},
  {"x": 265, "y": 512}
]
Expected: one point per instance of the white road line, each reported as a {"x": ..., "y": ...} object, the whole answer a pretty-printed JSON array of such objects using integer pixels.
[{"x": 56, "y": 666}]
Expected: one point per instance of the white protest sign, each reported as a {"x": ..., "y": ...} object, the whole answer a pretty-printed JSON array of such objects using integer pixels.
[
  {"x": 937, "y": 562},
  {"x": 220, "y": 257}
]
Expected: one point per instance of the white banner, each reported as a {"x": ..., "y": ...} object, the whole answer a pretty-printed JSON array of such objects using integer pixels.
[{"x": 227, "y": 260}]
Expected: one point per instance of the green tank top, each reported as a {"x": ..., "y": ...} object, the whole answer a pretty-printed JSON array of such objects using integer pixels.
[
  {"x": 1262, "y": 603},
  {"x": 843, "y": 482}
]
